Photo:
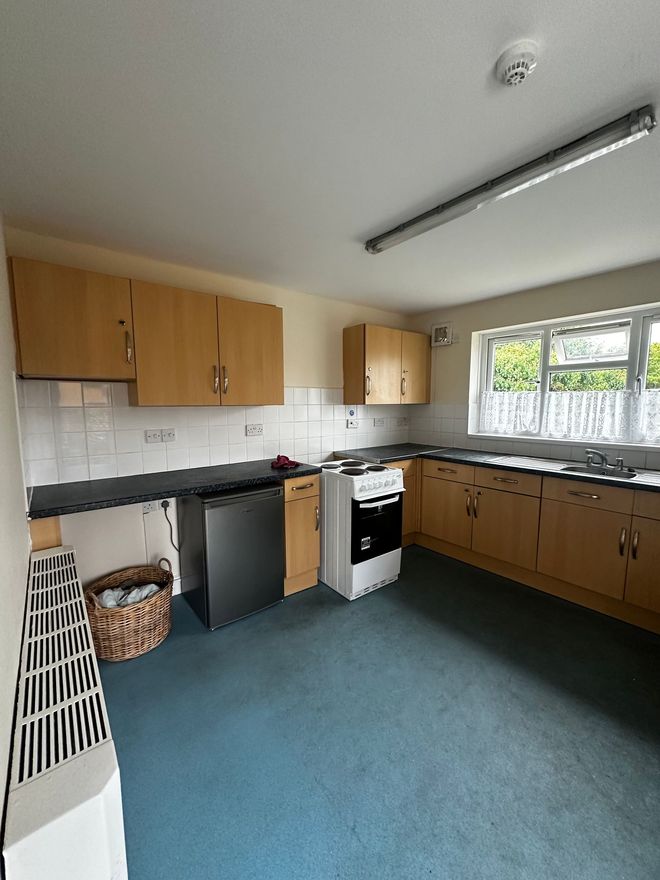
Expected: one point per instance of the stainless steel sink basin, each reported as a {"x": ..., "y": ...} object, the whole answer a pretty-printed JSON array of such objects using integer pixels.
[{"x": 600, "y": 472}]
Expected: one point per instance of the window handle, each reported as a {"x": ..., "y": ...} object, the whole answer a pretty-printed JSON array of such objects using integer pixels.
[{"x": 638, "y": 384}]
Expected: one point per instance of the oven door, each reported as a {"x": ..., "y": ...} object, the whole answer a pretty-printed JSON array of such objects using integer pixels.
[{"x": 375, "y": 526}]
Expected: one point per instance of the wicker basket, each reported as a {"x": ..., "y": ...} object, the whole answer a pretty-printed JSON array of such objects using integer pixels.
[{"x": 125, "y": 633}]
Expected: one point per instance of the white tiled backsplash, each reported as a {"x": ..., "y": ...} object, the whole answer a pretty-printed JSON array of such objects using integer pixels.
[
  {"x": 86, "y": 430},
  {"x": 446, "y": 424}
]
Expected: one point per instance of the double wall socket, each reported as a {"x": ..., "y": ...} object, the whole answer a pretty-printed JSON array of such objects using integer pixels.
[
  {"x": 160, "y": 435},
  {"x": 254, "y": 430}
]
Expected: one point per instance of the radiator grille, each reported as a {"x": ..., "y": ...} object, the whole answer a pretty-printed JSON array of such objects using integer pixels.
[{"x": 61, "y": 707}]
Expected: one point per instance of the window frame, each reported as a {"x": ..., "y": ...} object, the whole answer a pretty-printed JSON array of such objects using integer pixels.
[{"x": 641, "y": 322}]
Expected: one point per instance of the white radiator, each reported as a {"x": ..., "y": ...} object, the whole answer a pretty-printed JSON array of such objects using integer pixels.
[{"x": 64, "y": 814}]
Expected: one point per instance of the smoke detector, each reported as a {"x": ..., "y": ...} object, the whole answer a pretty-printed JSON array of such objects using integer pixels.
[{"x": 516, "y": 63}]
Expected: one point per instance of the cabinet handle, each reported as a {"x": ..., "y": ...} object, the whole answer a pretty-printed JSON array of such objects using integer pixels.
[
  {"x": 468, "y": 504},
  {"x": 129, "y": 348},
  {"x": 585, "y": 495},
  {"x": 635, "y": 543},
  {"x": 447, "y": 470},
  {"x": 622, "y": 541},
  {"x": 298, "y": 488},
  {"x": 367, "y": 385},
  {"x": 318, "y": 518},
  {"x": 475, "y": 505},
  {"x": 505, "y": 480},
  {"x": 403, "y": 386},
  {"x": 225, "y": 380},
  {"x": 216, "y": 379}
]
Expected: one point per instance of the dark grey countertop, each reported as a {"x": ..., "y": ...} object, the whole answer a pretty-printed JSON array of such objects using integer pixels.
[
  {"x": 383, "y": 454},
  {"x": 63, "y": 498},
  {"x": 648, "y": 481}
]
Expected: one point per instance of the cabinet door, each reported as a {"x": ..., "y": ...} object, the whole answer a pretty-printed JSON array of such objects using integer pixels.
[
  {"x": 303, "y": 537},
  {"x": 584, "y": 546},
  {"x": 447, "y": 511},
  {"x": 415, "y": 367},
  {"x": 382, "y": 364},
  {"x": 176, "y": 345},
  {"x": 506, "y": 526},
  {"x": 251, "y": 353},
  {"x": 643, "y": 581},
  {"x": 72, "y": 324},
  {"x": 410, "y": 505}
]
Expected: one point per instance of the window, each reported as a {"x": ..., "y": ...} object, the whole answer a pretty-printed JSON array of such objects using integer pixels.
[{"x": 592, "y": 379}]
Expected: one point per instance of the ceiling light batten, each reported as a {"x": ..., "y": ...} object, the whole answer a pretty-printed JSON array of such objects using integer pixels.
[{"x": 619, "y": 133}]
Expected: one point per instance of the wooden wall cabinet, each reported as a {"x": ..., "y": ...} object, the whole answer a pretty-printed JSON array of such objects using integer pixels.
[
  {"x": 302, "y": 522},
  {"x": 384, "y": 365},
  {"x": 251, "y": 353},
  {"x": 71, "y": 324},
  {"x": 176, "y": 345}
]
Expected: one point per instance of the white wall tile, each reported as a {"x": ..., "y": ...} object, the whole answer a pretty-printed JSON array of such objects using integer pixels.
[
  {"x": 300, "y": 413},
  {"x": 254, "y": 415},
  {"x": 314, "y": 412},
  {"x": 237, "y": 452},
  {"x": 199, "y": 456},
  {"x": 271, "y": 431},
  {"x": 36, "y": 420},
  {"x": 313, "y": 395},
  {"x": 235, "y": 415},
  {"x": 198, "y": 435},
  {"x": 119, "y": 394},
  {"x": 73, "y": 469},
  {"x": 327, "y": 412},
  {"x": 36, "y": 392},
  {"x": 217, "y": 415},
  {"x": 128, "y": 441},
  {"x": 271, "y": 414},
  {"x": 286, "y": 430},
  {"x": 300, "y": 396},
  {"x": 300, "y": 430},
  {"x": 99, "y": 418},
  {"x": 286, "y": 412},
  {"x": 271, "y": 449},
  {"x": 65, "y": 393},
  {"x": 218, "y": 435},
  {"x": 41, "y": 473},
  {"x": 177, "y": 459},
  {"x": 219, "y": 455},
  {"x": 236, "y": 433},
  {"x": 36, "y": 446},
  {"x": 96, "y": 394},
  {"x": 313, "y": 429},
  {"x": 71, "y": 445},
  {"x": 100, "y": 442},
  {"x": 129, "y": 463},
  {"x": 254, "y": 450},
  {"x": 153, "y": 461},
  {"x": 197, "y": 415},
  {"x": 102, "y": 466}
]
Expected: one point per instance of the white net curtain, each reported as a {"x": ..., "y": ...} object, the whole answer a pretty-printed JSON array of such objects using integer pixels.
[{"x": 612, "y": 416}]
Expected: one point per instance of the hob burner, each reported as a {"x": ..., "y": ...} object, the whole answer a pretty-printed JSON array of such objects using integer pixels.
[
  {"x": 330, "y": 467},
  {"x": 353, "y": 471},
  {"x": 359, "y": 464},
  {"x": 377, "y": 467}
]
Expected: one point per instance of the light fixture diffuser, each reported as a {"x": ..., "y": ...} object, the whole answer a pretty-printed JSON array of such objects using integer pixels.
[{"x": 631, "y": 127}]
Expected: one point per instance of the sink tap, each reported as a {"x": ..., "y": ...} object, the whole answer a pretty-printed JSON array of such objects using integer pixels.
[
  {"x": 618, "y": 464},
  {"x": 601, "y": 458}
]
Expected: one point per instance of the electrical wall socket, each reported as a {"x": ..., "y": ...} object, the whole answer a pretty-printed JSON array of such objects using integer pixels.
[
  {"x": 254, "y": 430},
  {"x": 150, "y": 506},
  {"x": 351, "y": 423},
  {"x": 153, "y": 435},
  {"x": 402, "y": 422},
  {"x": 379, "y": 423},
  {"x": 169, "y": 435}
]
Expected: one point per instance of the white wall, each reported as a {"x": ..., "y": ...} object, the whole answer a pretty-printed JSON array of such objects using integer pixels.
[
  {"x": 312, "y": 325},
  {"x": 444, "y": 422},
  {"x": 14, "y": 541}
]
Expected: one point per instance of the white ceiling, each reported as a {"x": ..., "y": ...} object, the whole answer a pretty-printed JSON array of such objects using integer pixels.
[{"x": 270, "y": 139}]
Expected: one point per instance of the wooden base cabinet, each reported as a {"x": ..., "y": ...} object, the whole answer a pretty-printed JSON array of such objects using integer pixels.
[
  {"x": 506, "y": 526},
  {"x": 447, "y": 511},
  {"x": 71, "y": 324},
  {"x": 302, "y": 533},
  {"x": 643, "y": 580},
  {"x": 585, "y": 546}
]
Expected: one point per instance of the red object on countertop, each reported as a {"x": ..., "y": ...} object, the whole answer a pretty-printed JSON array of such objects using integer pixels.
[{"x": 283, "y": 461}]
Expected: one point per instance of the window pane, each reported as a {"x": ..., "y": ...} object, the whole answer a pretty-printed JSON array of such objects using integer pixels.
[
  {"x": 589, "y": 380},
  {"x": 516, "y": 365},
  {"x": 601, "y": 342},
  {"x": 653, "y": 368}
]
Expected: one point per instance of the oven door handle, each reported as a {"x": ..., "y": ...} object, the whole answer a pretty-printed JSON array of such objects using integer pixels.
[{"x": 380, "y": 503}]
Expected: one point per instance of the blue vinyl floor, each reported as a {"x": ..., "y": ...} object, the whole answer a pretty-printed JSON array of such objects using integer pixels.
[{"x": 453, "y": 725}]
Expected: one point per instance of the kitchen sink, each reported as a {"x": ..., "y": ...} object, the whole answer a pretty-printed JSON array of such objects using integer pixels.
[{"x": 600, "y": 472}]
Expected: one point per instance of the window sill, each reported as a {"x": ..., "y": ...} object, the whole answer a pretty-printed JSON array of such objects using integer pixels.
[{"x": 545, "y": 441}]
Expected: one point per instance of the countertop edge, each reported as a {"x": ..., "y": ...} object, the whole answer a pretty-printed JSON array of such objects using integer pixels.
[{"x": 141, "y": 497}]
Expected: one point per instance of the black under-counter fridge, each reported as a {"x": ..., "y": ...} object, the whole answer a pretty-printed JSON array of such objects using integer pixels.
[{"x": 232, "y": 552}]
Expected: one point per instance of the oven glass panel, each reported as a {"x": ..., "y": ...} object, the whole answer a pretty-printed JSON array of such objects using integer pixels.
[{"x": 375, "y": 526}]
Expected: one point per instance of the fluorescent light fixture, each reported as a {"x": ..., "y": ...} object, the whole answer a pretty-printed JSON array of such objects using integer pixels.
[{"x": 631, "y": 127}]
